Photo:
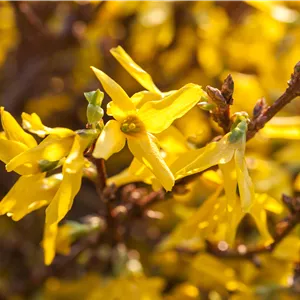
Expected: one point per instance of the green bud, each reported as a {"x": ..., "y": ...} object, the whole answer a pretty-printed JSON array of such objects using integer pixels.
[
  {"x": 94, "y": 97},
  {"x": 237, "y": 118},
  {"x": 94, "y": 113},
  {"x": 46, "y": 165},
  {"x": 207, "y": 106},
  {"x": 238, "y": 132}
]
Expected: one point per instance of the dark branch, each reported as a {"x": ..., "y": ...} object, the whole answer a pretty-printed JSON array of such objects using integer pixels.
[{"x": 267, "y": 113}]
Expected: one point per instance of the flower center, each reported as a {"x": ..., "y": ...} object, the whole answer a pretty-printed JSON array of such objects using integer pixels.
[{"x": 132, "y": 125}]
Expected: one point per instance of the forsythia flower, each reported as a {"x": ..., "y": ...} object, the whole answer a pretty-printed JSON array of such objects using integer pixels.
[
  {"x": 14, "y": 140},
  {"x": 235, "y": 171},
  {"x": 228, "y": 153},
  {"x": 29, "y": 193},
  {"x": 172, "y": 143},
  {"x": 32, "y": 161},
  {"x": 171, "y": 140},
  {"x": 137, "y": 124},
  {"x": 63, "y": 199}
]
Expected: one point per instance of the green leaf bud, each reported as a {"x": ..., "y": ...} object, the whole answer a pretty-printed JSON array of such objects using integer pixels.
[
  {"x": 94, "y": 113},
  {"x": 94, "y": 97}
]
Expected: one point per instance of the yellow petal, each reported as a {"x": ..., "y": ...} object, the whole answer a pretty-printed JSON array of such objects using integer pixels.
[
  {"x": 14, "y": 131},
  {"x": 172, "y": 140},
  {"x": 115, "y": 92},
  {"x": 246, "y": 188},
  {"x": 230, "y": 183},
  {"x": 195, "y": 126},
  {"x": 137, "y": 168},
  {"x": 52, "y": 148},
  {"x": 3, "y": 135},
  {"x": 140, "y": 98},
  {"x": 234, "y": 212},
  {"x": 136, "y": 172},
  {"x": 64, "y": 239},
  {"x": 210, "y": 272},
  {"x": 272, "y": 204},
  {"x": 113, "y": 110},
  {"x": 63, "y": 199},
  {"x": 34, "y": 124},
  {"x": 110, "y": 141},
  {"x": 283, "y": 128},
  {"x": 134, "y": 70},
  {"x": 259, "y": 215},
  {"x": 147, "y": 152},
  {"x": 192, "y": 231},
  {"x": 159, "y": 115},
  {"x": 28, "y": 194},
  {"x": 198, "y": 160},
  {"x": 10, "y": 149},
  {"x": 49, "y": 240},
  {"x": 288, "y": 249},
  {"x": 122, "y": 178}
]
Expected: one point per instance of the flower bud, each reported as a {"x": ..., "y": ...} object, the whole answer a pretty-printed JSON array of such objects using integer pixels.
[
  {"x": 238, "y": 132},
  {"x": 94, "y": 97},
  {"x": 94, "y": 113}
]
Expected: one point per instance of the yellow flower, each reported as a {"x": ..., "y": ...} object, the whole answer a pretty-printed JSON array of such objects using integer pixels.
[
  {"x": 34, "y": 124},
  {"x": 63, "y": 199},
  {"x": 228, "y": 153},
  {"x": 13, "y": 140},
  {"x": 171, "y": 140},
  {"x": 212, "y": 221},
  {"x": 39, "y": 158},
  {"x": 29, "y": 193},
  {"x": 138, "y": 124},
  {"x": 172, "y": 143},
  {"x": 33, "y": 190},
  {"x": 135, "y": 70}
]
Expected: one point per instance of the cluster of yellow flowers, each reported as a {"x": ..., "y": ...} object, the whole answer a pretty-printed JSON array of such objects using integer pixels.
[{"x": 145, "y": 122}]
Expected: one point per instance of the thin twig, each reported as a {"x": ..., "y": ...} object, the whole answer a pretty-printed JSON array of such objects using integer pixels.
[
  {"x": 101, "y": 177},
  {"x": 268, "y": 113}
]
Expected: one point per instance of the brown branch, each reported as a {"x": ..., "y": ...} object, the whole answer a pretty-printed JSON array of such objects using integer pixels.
[
  {"x": 267, "y": 113},
  {"x": 100, "y": 181}
]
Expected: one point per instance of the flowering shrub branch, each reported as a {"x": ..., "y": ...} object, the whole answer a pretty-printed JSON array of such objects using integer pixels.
[
  {"x": 266, "y": 113},
  {"x": 51, "y": 172}
]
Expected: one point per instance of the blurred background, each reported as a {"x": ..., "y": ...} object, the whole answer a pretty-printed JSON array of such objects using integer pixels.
[{"x": 46, "y": 49}]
